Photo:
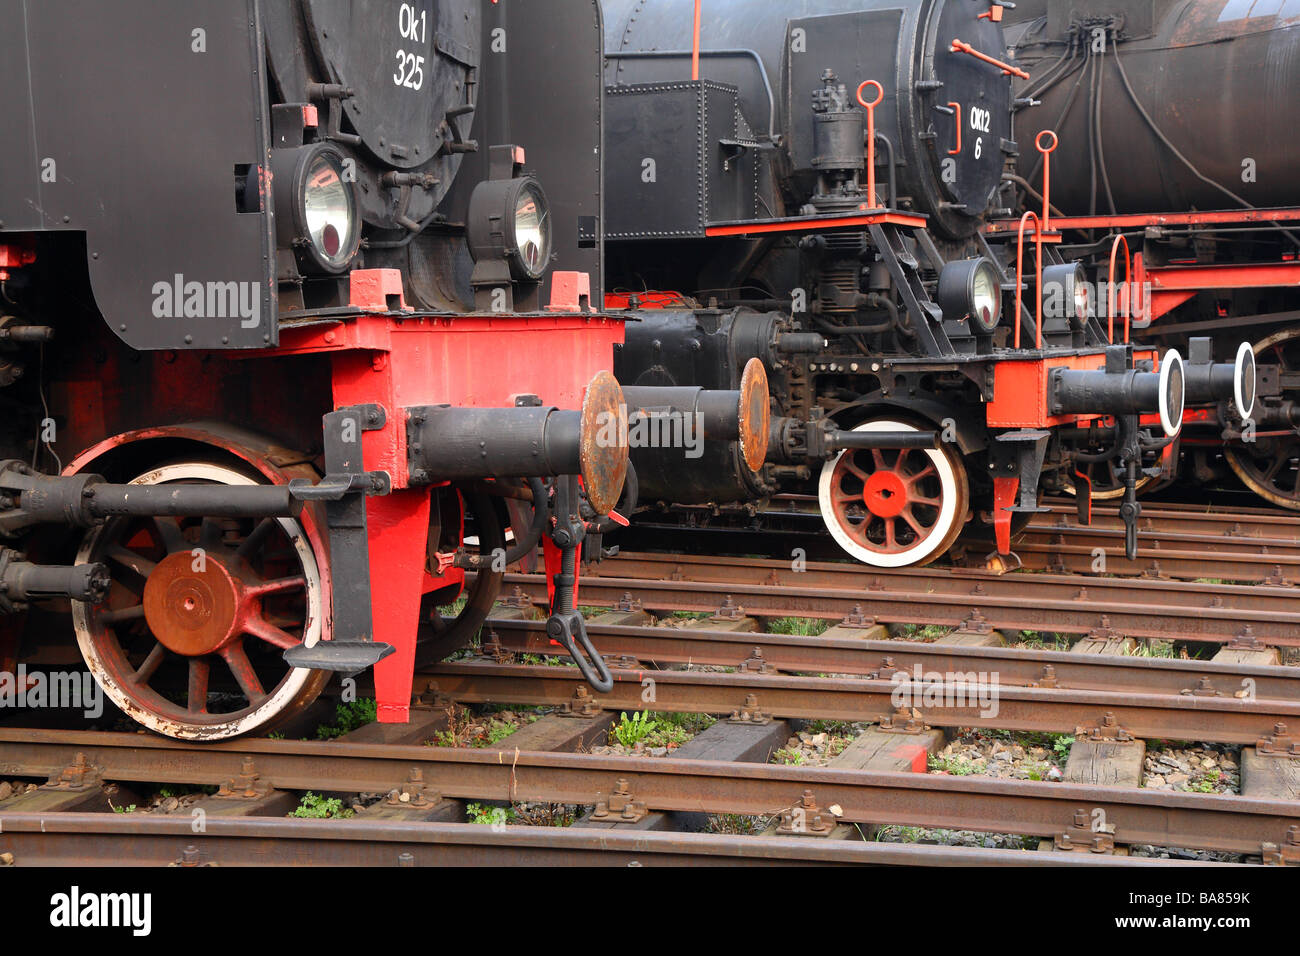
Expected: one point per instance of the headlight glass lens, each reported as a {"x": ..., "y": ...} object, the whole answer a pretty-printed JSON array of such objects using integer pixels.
[
  {"x": 532, "y": 230},
  {"x": 1081, "y": 301},
  {"x": 327, "y": 207},
  {"x": 985, "y": 298}
]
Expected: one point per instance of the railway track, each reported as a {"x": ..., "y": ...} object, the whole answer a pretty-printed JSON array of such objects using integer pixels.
[
  {"x": 1249, "y": 546},
  {"x": 1228, "y": 824},
  {"x": 881, "y": 659},
  {"x": 1110, "y": 703},
  {"x": 80, "y": 839},
  {"x": 1052, "y": 603}
]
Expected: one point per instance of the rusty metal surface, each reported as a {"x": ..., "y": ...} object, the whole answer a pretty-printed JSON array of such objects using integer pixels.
[
  {"x": 88, "y": 839},
  {"x": 1228, "y": 823},
  {"x": 1135, "y": 607},
  {"x": 1234, "y": 525},
  {"x": 849, "y": 655},
  {"x": 975, "y": 700},
  {"x": 604, "y": 461},
  {"x": 755, "y": 414},
  {"x": 1076, "y": 550}
]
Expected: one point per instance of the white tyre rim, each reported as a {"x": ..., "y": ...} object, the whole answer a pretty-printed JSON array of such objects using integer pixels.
[{"x": 902, "y": 556}]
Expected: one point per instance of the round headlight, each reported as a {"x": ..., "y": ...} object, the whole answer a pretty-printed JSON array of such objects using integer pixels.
[
  {"x": 970, "y": 288},
  {"x": 532, "y": 230},
  {"x": 1065, "y": 294},
  {"x": 316, "y": 207},
  {"x": 510, "y": 219},
  {"x": 329, "y": 209}
]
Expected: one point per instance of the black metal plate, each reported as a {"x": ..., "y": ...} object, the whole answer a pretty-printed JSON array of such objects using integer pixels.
[{"x": 145, "y": 134}]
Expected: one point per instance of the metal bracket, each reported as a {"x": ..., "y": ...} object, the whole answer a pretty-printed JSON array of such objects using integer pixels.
[
  {"x": 78, "y": 775},
  {"x": 619, "y": 806},
  {"x": 247, "y": 785},
  {"x": 1278, "y": 744},
  {"x": 756, "y": 664},
  {"x": 627, "y": 603},
  {"x": 729, "y": 610},
  {"x": 1204, "y": 688},
  {"x": 582, "y": 704},
  {"x": 1082, "y": 838},
  {"x": 856, "y": 618},
  {"x": 344, "y": 489},
  {"x": 1108, "y": 731},
  {"x": 904, "y": 720},
  {"x": 1048, "y": 679},
  {"x": 805, "y": 818},
  {"x": 749, "y": 713},
  {"x": 414, "y": 793},
  {"x": 1020, "y": 454},
  {"x": 1284, "y": 853},
  {"x": 1245, "y": 640},
  {"x": 977, "y": 623}
]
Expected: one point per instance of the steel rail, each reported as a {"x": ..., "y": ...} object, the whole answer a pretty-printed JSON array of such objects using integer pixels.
[
  {"x": 1234, "y": 524},
  {"x": 884, "y": 658},
  {"x": 1231, "y": 824},
  {"x": 1085, "y": 551},
  {"x": 82, "y": 839},
  {"x": 1136, "y": 607},
  {"x": 968, "y": 699}
]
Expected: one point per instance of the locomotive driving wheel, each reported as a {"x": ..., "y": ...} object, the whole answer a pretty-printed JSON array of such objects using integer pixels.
[
  {"x": 1270, "y": 465},
  {"x": 892, "y": 508},
  {"x": 190, "y": 640}
]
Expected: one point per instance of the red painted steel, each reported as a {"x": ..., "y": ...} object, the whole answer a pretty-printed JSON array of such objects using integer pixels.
[
  {"x": 464, "y": 360},
  {"x": 759, "y": 226},
  {"x": 959, "y": 46},
  {"x": 870, "y": 107},
  {"x": 1142, "y": 220}
]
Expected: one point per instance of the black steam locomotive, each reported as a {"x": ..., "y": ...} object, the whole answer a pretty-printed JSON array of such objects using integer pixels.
[
  {"x": 1181, "y": 119},
  {"x": 807, "y": 184},
  {"x": 298, "y": 298}
]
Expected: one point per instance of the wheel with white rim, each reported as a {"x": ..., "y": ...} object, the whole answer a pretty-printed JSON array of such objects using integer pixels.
[
  {"x": 190, "y": 641},
  {"x": 1269, "y": 465},
  {"x": 892, "y": 508}
]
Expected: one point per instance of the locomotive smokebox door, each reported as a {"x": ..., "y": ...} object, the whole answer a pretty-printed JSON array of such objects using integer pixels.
[
  {"x": 680, "y": 157},
  {"x": 946, "y": 113},
  {"x": 162, "y": 168}
]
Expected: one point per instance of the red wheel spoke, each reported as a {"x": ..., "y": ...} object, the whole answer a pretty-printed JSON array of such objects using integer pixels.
[
  {"x": 242, "y": 668},
  {"x": 852, "y": 466},
  {"x": 910, "y": 518},
  {"x": 133, "y": 613},
  {"x": 197, "y": 695},
  {"x": 264, "y": 630},
  {"x": 891, "y": 541},
  {"x": 150, "y": 664},
  {"x": 925, "y": 472},
  {"x": 878, "y": 456},
  {"x": 932, "y": 502},
  {"x": 278, "y": 586}
]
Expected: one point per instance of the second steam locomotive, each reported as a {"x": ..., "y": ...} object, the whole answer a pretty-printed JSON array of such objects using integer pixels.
[{"x": 808, "y": 184}]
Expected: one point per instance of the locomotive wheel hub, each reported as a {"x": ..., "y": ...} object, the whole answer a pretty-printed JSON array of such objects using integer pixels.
[
  {"x": 885, "y": 494},
  {"x": 193, "y": 612}
]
